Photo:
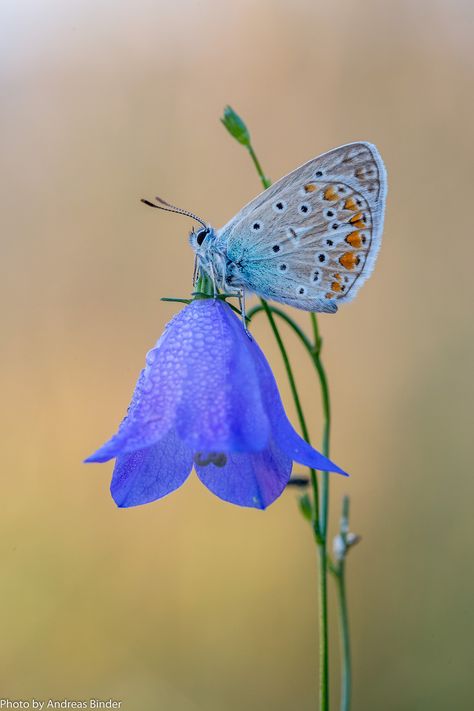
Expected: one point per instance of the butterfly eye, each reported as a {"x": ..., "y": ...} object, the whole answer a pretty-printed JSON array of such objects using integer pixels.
[
  {"x": 282, "y": 267},
  {"x": 321, "y": 258},
  {"x": 257, "y": 226},
  {"x": 319, "y": 174},
  {"x": 316, "y": 275},
  {"x": 301, "y": 290},
  {"x": 304, "y": 208},
  {"x": 201, "y": 236}
]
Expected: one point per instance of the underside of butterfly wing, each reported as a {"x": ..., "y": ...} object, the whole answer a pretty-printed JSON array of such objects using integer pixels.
[{"x": 311, "y": 239}]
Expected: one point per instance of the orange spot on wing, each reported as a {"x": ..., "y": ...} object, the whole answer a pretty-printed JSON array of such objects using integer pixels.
[
  {"x": 330, "y": 194},
  {"x": 349, "y": 260},
  {"x": 329, "y": 295},
  {"x": 358, "y": 220},
  {"x": 335, "y": 286},
  {"x": 355, "y": 239},
  {"x": 350, "y": 204},
  {"x": 310, "y": 188},
  {"x": 338, "y": 277}
]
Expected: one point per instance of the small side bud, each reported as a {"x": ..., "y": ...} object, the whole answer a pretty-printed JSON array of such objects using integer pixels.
[
  {"x": 339, "y": 547},
  {"x": 236, "y": 127},
  {"x": 352, "y": 539},
  {"x": 342, "y": 543},
  {"x": 304, "y": 503}
]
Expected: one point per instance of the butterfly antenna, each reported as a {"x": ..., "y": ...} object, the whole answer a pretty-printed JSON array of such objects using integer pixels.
[{"x": 171, "y": 208}]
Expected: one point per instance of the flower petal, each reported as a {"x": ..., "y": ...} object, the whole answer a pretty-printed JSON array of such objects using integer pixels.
[
  {"x": 282, "y": 430},
  {"x": 151, "y": 412},
  {"x": 149, "y": 474},
  {"x": 201, "y": 376},
  {"x": 252, "y": 479},
  {"x": 221, "y": 407}
]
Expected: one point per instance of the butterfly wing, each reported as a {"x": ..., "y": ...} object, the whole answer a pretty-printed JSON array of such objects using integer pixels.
[{"x": 312, "y": 238}]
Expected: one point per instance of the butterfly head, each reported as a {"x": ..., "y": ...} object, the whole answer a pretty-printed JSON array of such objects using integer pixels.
[{"x": 201, "y": 239}]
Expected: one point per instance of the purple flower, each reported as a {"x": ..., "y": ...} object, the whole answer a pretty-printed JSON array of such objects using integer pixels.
[{"x": 207, "y": 398}]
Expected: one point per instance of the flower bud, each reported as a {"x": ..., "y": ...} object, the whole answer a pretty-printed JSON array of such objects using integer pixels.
[
  {"x": 339, "y": 547},
  {"x": 305, "y": 507},
  {"x": 236, "y": 126},
  {"x": 352, "y": 539}
]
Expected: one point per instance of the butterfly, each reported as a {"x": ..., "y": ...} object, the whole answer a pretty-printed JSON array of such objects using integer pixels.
[{"x": 310, "y": 240}]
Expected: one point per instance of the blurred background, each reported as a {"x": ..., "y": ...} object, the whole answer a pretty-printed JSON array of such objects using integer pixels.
[{"x": 191, "y": 604}]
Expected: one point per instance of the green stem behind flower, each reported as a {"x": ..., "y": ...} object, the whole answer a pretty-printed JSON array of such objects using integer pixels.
[
  {"x": 319, "y": 524},
  {"x": 345, "y": 638},
  {"x": 339, "y": 572},
  {"x": 237, "y": 128},
  {"x": 319, "y": 507},
  {"x": 323, "y": 381},
  {"x": 304, "y": 429}
]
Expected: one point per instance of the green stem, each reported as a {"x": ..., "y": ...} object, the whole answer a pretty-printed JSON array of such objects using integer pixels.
[
  {"x": 323, "y": 381},
  {"x": 323, "y": 629},
  {"x": 294, "y": 391},
  {"x": 339, "y": 572},
  {"x": 320, "y": 512},
  {"x": 284, "y": 317},
  {"x": 315, "y": 355},
  {"x": 264, "y": 180},
  {"x": 345, "y": 639}
]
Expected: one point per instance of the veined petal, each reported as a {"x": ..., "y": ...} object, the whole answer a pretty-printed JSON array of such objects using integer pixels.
[
  {"x": 253, "y": 479},
  {"x": 149, "y": 474},
  {"x": 152, "y": 410},
  {"x": 282, "y": 430},
  {"x": 202, "y": 377},
  {"x": 221, "y": 408}
]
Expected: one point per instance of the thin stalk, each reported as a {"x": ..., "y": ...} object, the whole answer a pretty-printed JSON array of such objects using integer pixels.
[
  {"x": 339, "y": 572},
  {"x": 323, "y": 381},
  {"x": 294, "y": 391},
  {"x": 284, "y": 317},
  {"x": 315, "y": 355},
  {"x": 266, "y": 182},
  {"x": 345, "y": 638},
  {"x": 321, "y": 531},
  {"x": 319, "y": 525},
  {"x": 323, "y": 629}
]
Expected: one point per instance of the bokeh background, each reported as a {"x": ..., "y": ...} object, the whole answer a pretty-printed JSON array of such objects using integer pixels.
[{"x": 190, "y": 604}]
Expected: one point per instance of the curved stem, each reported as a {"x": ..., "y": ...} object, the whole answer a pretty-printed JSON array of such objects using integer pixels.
[
  {"x": 294, "y": 391},
  {"x": 284, "y": 316},
  {"x": 314, "y": 352}
]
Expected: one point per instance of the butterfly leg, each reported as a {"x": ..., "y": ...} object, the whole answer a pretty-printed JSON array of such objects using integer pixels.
[
  {"x": 213, "y": 279},
  {"x": 243, "y": 312}
]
